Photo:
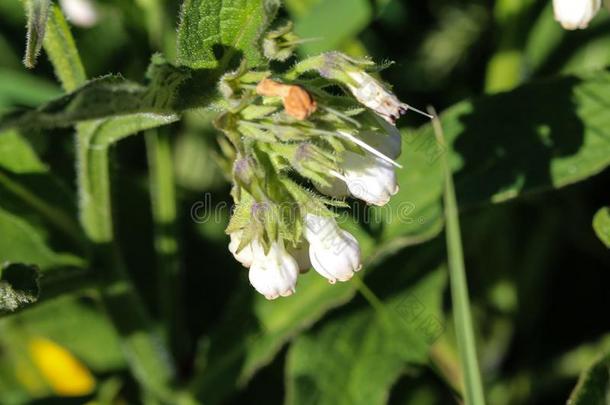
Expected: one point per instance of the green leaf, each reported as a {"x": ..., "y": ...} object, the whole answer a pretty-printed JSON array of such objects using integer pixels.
[
  {"x": 593, "y": 386},
  {"x": 233, "y": 26},
  {"x": 23, "y": 88},
  {"x": 170, "y": 91},
  {"x": 601, "y": 224},
  {"x": 355, "y": 359},
  {"x": 18, "y": 286},
  {"x": 23, "y": 242},
  {"x": 505, "y": 146},
  {"x": 38, "y": 14},
  {"x": 329, "y": 23},
  {"x": 28, "y": 189}
]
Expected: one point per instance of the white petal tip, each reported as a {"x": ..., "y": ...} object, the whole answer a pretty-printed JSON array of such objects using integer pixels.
[{"x": 288, "y": 293}]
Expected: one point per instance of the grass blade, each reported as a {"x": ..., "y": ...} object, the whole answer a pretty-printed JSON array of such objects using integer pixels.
[{"x": 473, "y": 386}]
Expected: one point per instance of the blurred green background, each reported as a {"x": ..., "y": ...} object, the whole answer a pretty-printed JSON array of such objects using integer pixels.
[{"x": 539, "y": 277}]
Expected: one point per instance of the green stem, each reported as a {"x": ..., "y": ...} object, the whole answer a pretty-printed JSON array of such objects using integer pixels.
[
  {"x": 61, "y": 49},
  {"x": 473, "y": 386},
  {"x": 147, "y": 359},
  {"x": 163, "y": 199}
]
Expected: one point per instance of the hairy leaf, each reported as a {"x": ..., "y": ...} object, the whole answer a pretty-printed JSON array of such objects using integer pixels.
[
  {"x": 18, "y": 286},
  {"x": 356, "y": 358},
  {"x": 212, "y": 32},
  {"x": 170, "y": 91},
  {"x": 38, "y": 13}
]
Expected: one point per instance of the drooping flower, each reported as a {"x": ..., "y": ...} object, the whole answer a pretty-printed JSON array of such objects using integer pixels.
[
  {"x": 575, "y": 14},
  {"x": 81, "y": 13},
  {"x": 369, "y": 178},
  {"x": 334, "y": 252},
  {"x": 273, "y": 274}
]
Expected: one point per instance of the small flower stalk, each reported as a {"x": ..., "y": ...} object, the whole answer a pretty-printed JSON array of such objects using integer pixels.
[
  {"x": 575, "y": 14},
  {"x": 298, "y": 149}
]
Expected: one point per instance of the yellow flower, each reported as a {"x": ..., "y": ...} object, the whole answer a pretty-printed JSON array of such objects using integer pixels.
[{"x": 65, "y": 374}]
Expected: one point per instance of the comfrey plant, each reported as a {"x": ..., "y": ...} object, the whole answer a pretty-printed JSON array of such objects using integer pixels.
[{"x": 302, "y": 141}]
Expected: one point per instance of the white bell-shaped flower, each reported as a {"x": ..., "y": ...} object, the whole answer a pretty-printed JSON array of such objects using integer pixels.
[
  {"x": 334, "y": 253},
  {"x": 81, "y": 13},
  {"x": 369, "y": 178},
  {"x": 575, "y": 14},
  {"x": 273, "y": 274},
  {"x": 245, "y": 255}
]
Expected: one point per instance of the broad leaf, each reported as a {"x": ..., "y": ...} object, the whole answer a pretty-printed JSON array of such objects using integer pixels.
[
  {"x": 593, "y": 387},
  {"x": 356, "y": 359},
  {"x": 38, "y": 14},
  {"x": 230, "y": 27},
  {"x": 18, "y": 286},
  {"x": 601, "y": 224},
  {"x": 21, "y": 241},
  {"x": 170, "y": 90}
]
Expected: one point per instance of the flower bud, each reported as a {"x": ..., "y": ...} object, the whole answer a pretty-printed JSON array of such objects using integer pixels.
[
  {"x": 244, "y": 170},
  {"x": 369, "y": 178},
  {"x": 81, "y": 13},
  {"x": 280, "y": 44},
  {"x": 575, "y": 14},
  {"x": 273, "y": 274},
  {"x": 334, "y": 253},
  {"x": 374, "y": 95}
]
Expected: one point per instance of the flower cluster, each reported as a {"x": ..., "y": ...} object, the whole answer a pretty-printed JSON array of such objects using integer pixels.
[{"x": 301, "y": 141}]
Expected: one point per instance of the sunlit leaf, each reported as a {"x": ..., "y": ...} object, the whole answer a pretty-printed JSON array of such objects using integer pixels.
[
  {"x": 212, "y": 32},
  {"x": 355, "y": 359}
]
